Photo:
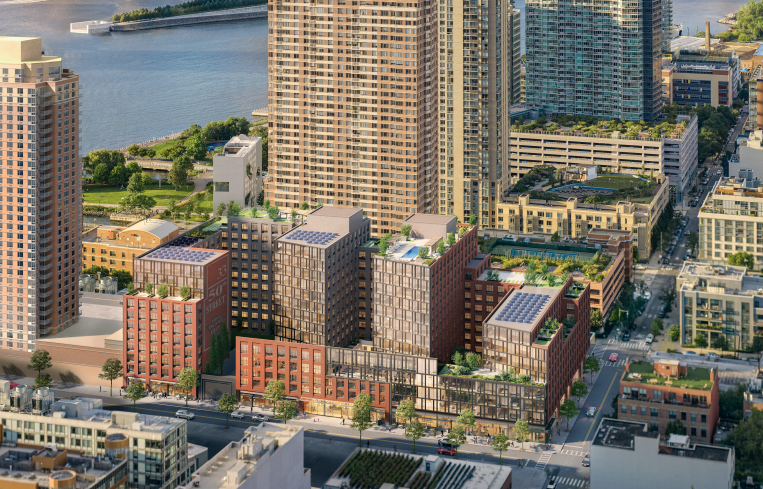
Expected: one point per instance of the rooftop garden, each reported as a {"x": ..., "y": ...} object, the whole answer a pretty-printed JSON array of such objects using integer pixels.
[
  {"x": 539, "y": 174},
  {"x": 539, "y": 271},
  {"x": 590, "y": 126},
  {"x": 695, "y": 377},
  {"x": 369, "y": 469},
  {"x": 551, "y": 326},
  {"x": 508, "y": 376}
]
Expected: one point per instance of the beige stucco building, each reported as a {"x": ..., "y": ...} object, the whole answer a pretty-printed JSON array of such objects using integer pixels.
[
  {"x": 730, "y": 220},
  {"x": 115, "y": 247},
  {"x": 479, "y": 82},
  {"x": 41, "y": 151},
  {"x": 352, "y": 106},
  {"x": 238, "y": 172},
  {"x": 572, "y": 218}
]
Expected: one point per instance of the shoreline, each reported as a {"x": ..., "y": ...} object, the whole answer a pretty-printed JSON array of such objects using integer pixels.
[{"x": 226, "y": 15}]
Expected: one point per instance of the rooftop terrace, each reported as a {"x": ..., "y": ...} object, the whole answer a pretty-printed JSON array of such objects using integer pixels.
[{"x": 696, "y": 378}]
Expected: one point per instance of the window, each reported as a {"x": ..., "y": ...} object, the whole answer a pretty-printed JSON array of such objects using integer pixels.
[
  {"x": 703, "y": 418},
  {"x": 693, "y": 431},
  {"x": 683, "y": 415},
  {"x": 623, "y": 409},
  {"x": 693, "y": 417},
  {"x": 633, "y": 410},
  {"x": 654, "y": 412},
  {"x": 657, "y": 395},
  {"x": 643, "y": 410},
  {"x": 703, "y": 433},
  {"x": 672, "y": 414}
]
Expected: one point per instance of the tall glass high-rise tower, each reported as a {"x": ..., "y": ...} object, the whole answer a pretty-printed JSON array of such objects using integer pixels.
[
  {"x": 479, "y": 81},
  {"x": 597, "y": 58}
]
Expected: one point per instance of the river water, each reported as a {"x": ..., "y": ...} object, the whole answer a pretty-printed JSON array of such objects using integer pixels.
[{"x": 146, "y": 84}]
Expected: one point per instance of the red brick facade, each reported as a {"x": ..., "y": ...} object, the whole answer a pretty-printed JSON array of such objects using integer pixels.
[{"x": 303, "y": 370}]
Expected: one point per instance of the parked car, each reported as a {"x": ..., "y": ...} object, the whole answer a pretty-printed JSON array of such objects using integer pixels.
[
  {"x": 259, "y": 417},
  {"x": 237, "y": 415},
  {"x": 690, "y": 353},
  {"x": 591, "y": 412},
  {"x": 182, "y": 413},
  {"x": 647, "y": 295},
  {"x": 718, "y": 172},
  {"x": 587, "y": 461},
  {"x": 551, "y": 484},
  {"x": 639, "y": 266},
  {"x": 713, "y": 356},
  {"x": 649, "y": 339},
  {"x": 613, "y": 357}
]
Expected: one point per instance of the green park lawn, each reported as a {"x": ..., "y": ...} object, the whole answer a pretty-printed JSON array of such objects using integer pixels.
[
  {"x": 165, "y": 144},
  {"x": 113, "y": 195},
  {"x": 616, "y": 182}
]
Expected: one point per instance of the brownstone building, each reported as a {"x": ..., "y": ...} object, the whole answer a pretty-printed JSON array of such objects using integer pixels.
[{"x": 41, "y": 192}]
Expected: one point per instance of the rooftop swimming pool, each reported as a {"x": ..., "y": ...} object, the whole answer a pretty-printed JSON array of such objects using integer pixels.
[{"x": 412, "y": 253}]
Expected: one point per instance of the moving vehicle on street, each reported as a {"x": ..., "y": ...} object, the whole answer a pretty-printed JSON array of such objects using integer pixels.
[
  {"x": 447, "y": 448},
  {"x": 613, "y": 357},
  {"x": 591, "y": 412},
  {"x": 587, "y": 461},
  {"x": 551, "y": 484},
  {"x": 237, "y": 415},
  {"x": 259, "y": 417},
  {"x": 649, "y": 339},
  {"x": 182, "y": 413}
]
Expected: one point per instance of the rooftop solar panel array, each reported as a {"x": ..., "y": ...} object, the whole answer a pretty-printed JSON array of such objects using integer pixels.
[
  {"x": 312, "y": 237},
  {"x": 522, "y": 307},
  {"x": 184, "y": 241},
  {"x": 181, "y": 254}
]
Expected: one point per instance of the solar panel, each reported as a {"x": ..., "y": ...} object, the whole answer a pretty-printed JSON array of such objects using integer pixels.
[
  {"x": 313, "y": 237},
  {"x": 523, "y": 307}
]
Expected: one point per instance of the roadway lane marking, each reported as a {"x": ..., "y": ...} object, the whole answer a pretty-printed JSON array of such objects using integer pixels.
[
  {"x": 543, "y": 461},
  {"x": 598, "y": 411},
  {"x": 250, "y": 423}
]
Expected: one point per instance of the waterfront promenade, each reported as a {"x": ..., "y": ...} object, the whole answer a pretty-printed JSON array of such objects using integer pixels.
[{"x": 101, "y": 27}]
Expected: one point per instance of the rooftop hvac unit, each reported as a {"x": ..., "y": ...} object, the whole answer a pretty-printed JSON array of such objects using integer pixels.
[
  {"x": 86, "y": 283},
  {"x": 21, "y": 399},
  {"x": 106, "y": 285},
  {"x": 42, "y": 399}
]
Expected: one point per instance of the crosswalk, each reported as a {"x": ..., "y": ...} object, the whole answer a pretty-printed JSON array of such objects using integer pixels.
[
  {"x": 542, "y": 461},
  {"x": 628, "y": 345},
  {"x": 574, "y": 453},
  {"x": 571, "y": 482}
]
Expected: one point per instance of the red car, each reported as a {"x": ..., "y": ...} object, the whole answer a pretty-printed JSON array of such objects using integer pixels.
[
  {"x": 613, "y": 357},
  {"x": 447, "y": 449}
]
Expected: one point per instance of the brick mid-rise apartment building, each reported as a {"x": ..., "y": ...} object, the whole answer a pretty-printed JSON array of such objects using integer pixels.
[
  {"x": 39, "y": 157},
  {"x": 418, "y": 321},
  {"x": 670, "y": 390},
  {"x": 164, "y": 334}
]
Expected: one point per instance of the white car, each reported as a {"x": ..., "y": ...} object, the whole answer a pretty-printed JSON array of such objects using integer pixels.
[
  {"x": 639, "y": 267},
  {"x": 591, "y": 412},
  {"x": 713, "y": 356},
  {"x": 237, "y": 415},
  {"x": 184, "y": 414},
  {"x": 259, "y": 417},
  {"x": 647, "y": 295},
  {"x": 718, "y": 172},
  {"x": 649, "y": 339}
]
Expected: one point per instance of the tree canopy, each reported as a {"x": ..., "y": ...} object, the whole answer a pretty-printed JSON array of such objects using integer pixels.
[{"x": 192, "y": 7}]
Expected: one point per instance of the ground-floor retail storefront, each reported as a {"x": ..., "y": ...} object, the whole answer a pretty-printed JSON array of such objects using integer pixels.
[
  {"x": 482, "y": 427},
  {"x": 317, "y": 407}
]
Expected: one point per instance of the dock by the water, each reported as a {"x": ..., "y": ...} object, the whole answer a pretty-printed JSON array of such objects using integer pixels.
[{"x": 104, "y": 26}]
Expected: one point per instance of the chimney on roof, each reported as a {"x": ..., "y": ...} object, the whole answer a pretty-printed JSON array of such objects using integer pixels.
[{"x": 707, "y": 36}]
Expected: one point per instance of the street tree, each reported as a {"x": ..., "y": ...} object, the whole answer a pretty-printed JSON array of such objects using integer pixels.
[
  {"x": 466, "y": 418},
  {"x": 457, "y": 436},
  {"x": 228, "y": 404},
  {"x": 592, "y": 365},
  {"x": 187, "y": 379},
  {"x": 597, "y": 321},
  {"x": 40, "y": 362},
  {"x": 700, "y": 342},
  {"x": 721, "y": 343},
  {"x": 521, "y": 432},
  {"x": 406, "y": 411},
  {"x": 674, "y": 332},
  {"x": 414, "y": 431},
  {"x": 568, "y": 410},
  {"x": 500, "y": 444},
  {"x": 135, "y": 392},
  {"x": 286, "y": 410},
  {"x": 361, "y": 415},
  {"x": 111, "y": 370},
  {"x": 274, "y": 393},
  {"x": 692, "y": 241},
  {"x": 578, "y": 390}
]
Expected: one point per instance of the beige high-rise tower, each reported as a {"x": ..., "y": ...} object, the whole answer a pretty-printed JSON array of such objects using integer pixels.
[
  {"x": 352, "y": 105},
  {"x": 479, "y": 82},
  {"x": 40, "y": 192}
]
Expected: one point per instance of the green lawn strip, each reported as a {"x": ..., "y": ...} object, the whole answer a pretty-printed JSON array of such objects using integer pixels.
[
  {"x": 113, "y": 195},
  {"x": 616, "y": 182},
  {"x": 163, "y": 145}
]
